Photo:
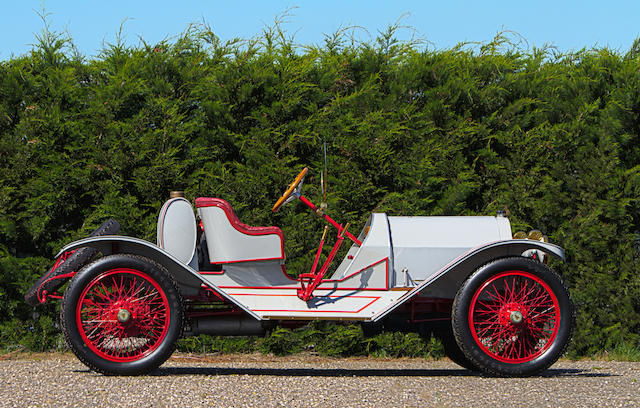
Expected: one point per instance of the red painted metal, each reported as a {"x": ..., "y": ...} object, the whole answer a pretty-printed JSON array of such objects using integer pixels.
[
  {"x": 296, "y": 287},
  {"x": 492, "y": 324},
  {"x": 42, "y": 296},
  {"x": 312, "y": 280},
  {"x": 109, "y": 294},
  {"x": 317, "y": 258},
  {"x": 211, "y": 272},
  {"x": 200, "y": 305},
  {"x": 330, "y": 220}
]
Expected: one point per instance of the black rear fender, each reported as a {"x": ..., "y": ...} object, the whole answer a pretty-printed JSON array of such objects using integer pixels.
[{"x": 188, "y": 279}]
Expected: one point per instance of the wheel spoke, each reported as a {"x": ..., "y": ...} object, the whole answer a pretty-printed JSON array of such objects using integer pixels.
[
  {"x": 146, "y": 308},
  {"x": 514, "y": 316}
]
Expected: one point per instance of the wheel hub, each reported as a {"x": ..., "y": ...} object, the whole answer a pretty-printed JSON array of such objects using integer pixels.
[
  {"x": 513, "y": 314},
  {"x": 516, "y": 317},
  {"x": 124, "y": 315}
]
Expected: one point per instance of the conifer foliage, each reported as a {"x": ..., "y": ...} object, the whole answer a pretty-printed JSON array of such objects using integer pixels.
[{"x": 551, "y": 138}]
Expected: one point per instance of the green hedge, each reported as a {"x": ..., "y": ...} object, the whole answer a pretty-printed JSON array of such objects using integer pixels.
[
  {"x": 551, "y": 138},
  {"x": 325, "y": 339}
]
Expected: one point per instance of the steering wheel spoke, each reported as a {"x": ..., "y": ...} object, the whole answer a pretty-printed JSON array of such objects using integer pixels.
[{"x": 292, "y": 191}]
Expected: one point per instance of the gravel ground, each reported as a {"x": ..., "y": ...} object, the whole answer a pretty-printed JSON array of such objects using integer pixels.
[{"x": 262, "y": 381}]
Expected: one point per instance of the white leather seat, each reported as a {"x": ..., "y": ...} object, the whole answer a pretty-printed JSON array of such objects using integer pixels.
[{"x": 229, "y": 240}]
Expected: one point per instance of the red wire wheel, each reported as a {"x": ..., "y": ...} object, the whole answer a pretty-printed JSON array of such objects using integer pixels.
[
  {"x": 122, "y": 315},
  {"x": 513, "y": 317}
]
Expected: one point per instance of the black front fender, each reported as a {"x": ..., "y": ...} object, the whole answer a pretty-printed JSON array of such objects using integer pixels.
[{"x": 446, "y": 282}]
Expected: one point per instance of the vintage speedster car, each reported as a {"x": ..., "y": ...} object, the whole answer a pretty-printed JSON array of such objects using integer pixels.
[{"x": 496, "y": 305}]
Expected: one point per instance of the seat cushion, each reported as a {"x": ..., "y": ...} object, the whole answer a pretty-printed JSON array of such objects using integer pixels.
[{"x": 230, "y": 240}]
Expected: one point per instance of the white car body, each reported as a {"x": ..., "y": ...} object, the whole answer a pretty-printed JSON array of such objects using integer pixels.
[
  {"x": 495, "y": 306},
  {"x": 400, "y": 257}
]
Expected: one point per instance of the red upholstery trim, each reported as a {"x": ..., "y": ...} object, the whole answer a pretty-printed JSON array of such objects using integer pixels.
[{"x": 235, "y": 221}]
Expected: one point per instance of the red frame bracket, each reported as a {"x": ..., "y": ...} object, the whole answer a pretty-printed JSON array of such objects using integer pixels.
[{"x": 310, "y": 281}]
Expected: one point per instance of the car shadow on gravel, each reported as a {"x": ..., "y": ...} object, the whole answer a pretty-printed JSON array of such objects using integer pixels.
[{"x": 338, "y": 372}]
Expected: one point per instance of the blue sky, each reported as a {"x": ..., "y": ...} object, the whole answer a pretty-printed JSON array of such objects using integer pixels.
[{"x": 569, "y": 25}]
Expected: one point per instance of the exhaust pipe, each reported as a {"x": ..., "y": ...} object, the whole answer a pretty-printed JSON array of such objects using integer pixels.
[{"x": 230, "y": 326}]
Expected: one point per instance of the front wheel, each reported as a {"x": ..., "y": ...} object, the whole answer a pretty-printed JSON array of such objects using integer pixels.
[
  {"x": 513, "y": 317},
  {"x": 122, "y": 314}
]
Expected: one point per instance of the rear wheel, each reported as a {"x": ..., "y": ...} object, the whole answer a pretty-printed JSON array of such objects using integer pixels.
[
  {"x": 513, "y": 317},
  {"x": 122, "y": 315}
]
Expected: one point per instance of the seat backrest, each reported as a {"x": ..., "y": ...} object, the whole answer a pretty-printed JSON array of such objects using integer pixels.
[
  {"x": 229, "y": 240},
  {"x": 177, "y": 230}
]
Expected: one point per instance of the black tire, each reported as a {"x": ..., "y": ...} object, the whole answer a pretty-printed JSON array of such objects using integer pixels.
[
  {"x": 513, "y": 317},
  {"x": 47, "y": 282},
  {"x": 453, "y": 352},
  {"x": 122, "y": 315}
]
